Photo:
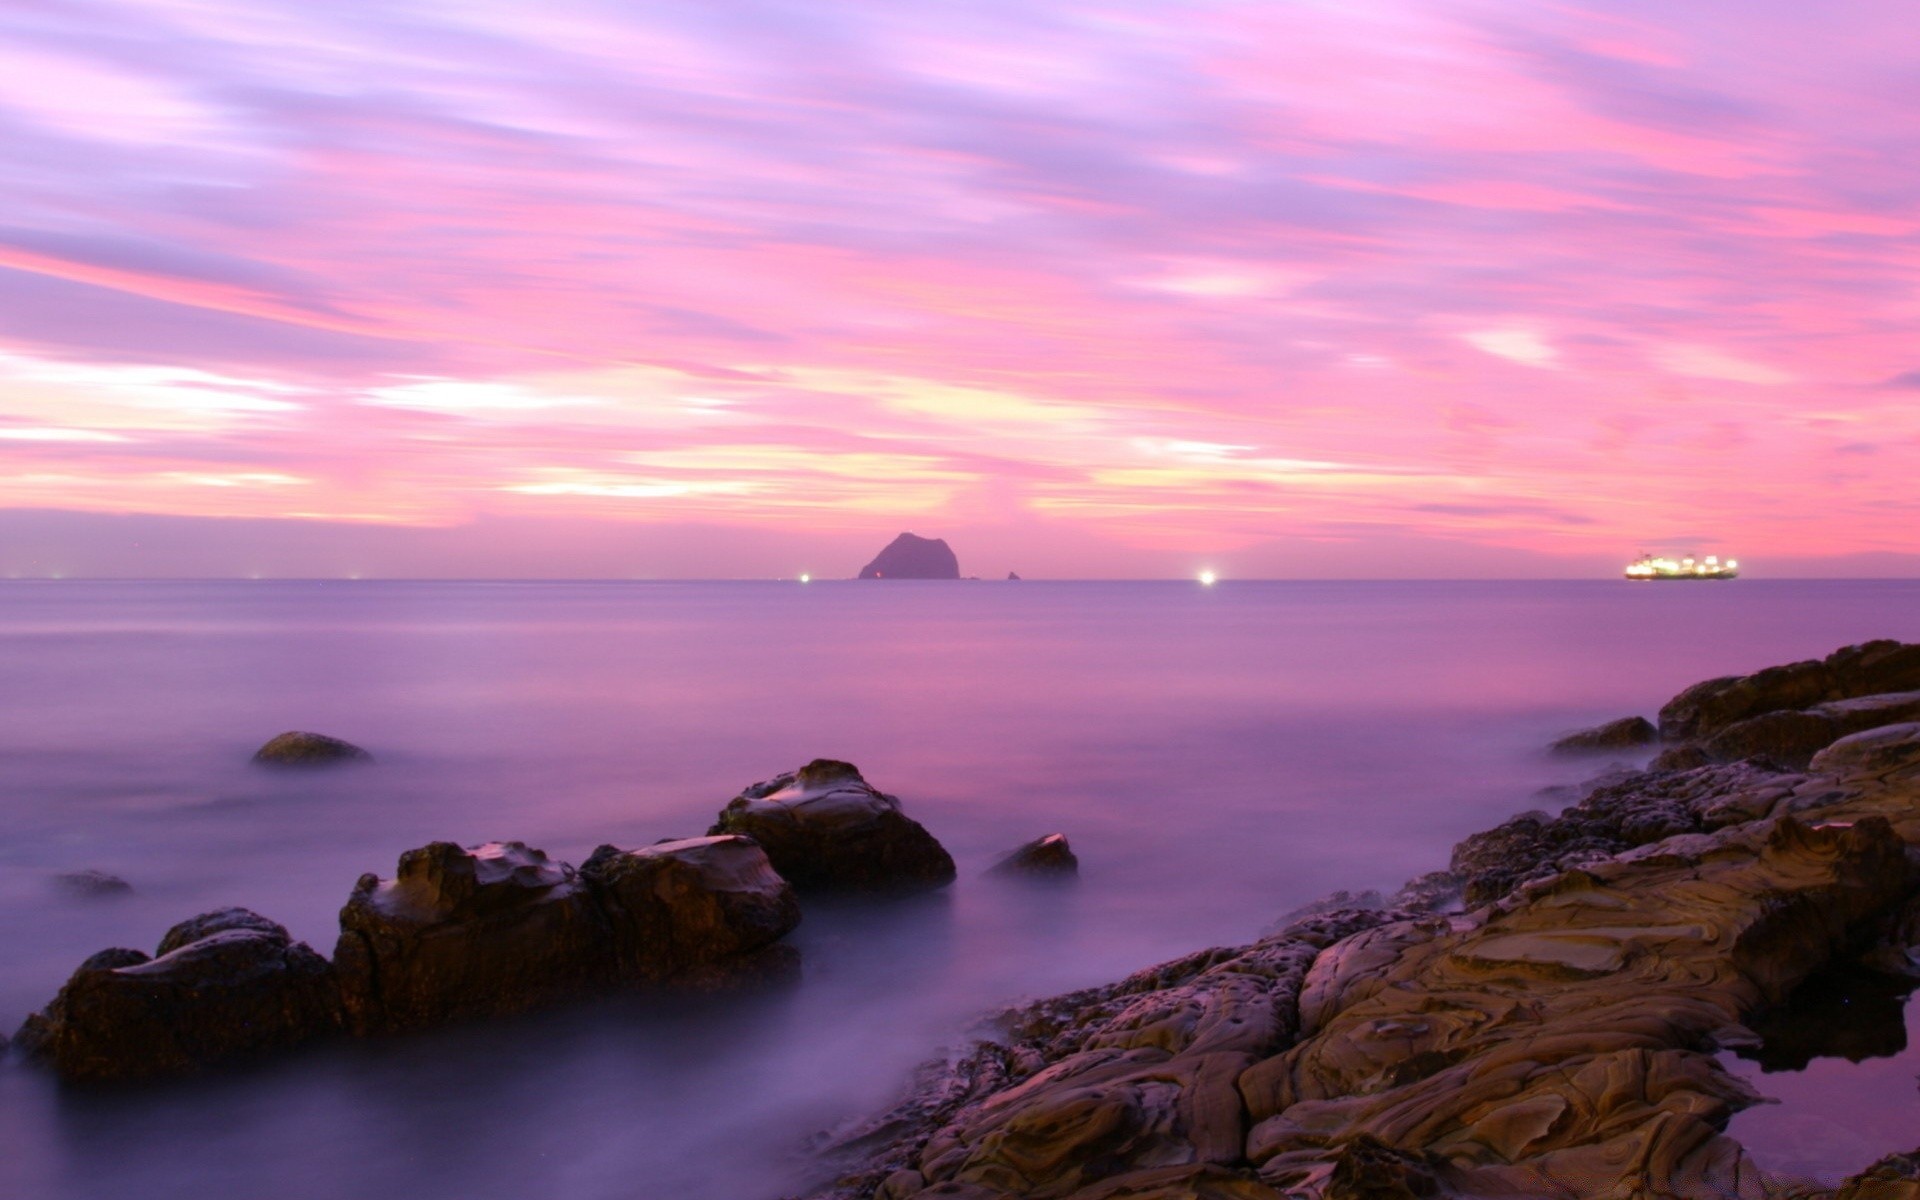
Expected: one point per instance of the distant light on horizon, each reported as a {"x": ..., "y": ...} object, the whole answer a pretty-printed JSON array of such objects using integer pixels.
[
  {"x": 805, "y": 578},
  {"x": 1208, "y": 578}
]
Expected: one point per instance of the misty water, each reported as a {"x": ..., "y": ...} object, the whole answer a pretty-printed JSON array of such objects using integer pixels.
[{"x": 1218, "y": 756}]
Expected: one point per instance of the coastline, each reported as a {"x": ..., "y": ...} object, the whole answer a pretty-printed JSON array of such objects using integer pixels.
[{"x": 1540, "y": 1019}]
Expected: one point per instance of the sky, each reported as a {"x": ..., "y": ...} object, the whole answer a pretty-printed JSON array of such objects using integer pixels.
[{"x": 742, "y": 288}]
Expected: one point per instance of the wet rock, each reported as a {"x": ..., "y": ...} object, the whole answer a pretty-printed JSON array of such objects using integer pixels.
[
  {"x": 911, "y": 557},
  {"x": 1048, "y": 857},
  {"x": 462, "y": 933},
  {"x": 1627, "y": 733},
  {"x": 695, "y": 911},
  {"x": 220, "y": 920},
  {"x": 296, "y": 749},
  {"x": 825, "y": 828},
  {"x": 240, "y": 988},
  {"x": 92, "y": 885}
]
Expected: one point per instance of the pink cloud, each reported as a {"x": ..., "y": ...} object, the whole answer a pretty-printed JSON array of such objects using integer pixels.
[{"x": 1552, "y": 282}]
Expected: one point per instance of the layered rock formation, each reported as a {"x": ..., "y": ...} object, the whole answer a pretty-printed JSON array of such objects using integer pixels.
[
  {"x": 911, "y": 557},
  {"x": 1556, "y": 1037},
  {"x": 826, "y": 828}
]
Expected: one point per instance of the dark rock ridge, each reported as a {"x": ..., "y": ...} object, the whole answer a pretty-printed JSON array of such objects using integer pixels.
[
  {"x": 296, "y": 749},
  {"x": 826, "y": 828},
  {"x": 1869, "y": 669},
  {"x": 911, "y": 557},
  {"x": 501, "y": 928},
  {"x": 1048, "y": 857},
  {"x": 1628, "y": 733},
  {"x": 457, "y": 934},
  {"x": 1557, "y": 1038},
  {"x": 224, "y": 985}
]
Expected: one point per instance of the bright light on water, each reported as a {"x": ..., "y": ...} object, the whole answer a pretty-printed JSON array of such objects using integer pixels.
[
  {"x": 806, "y": 578},
  {"x": 1208, "y": 578}
]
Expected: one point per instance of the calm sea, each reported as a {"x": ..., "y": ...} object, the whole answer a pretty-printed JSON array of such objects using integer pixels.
[{"x": 1218, "y": 756}]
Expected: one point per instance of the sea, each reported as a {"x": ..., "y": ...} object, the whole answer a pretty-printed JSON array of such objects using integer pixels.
[{"x": 1218, "y": 756}]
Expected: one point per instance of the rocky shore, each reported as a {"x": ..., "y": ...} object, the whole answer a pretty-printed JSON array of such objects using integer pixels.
[{"x": 1541, "y": 1019}]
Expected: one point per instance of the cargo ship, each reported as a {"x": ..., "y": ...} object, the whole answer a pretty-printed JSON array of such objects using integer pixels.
[{"x": 1711, "y": 567}]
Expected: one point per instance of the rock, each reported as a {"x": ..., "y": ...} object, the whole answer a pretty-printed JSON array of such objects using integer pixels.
[
  {"x": 1048, "y": 857},
  {"x": 910, "y": 557},
  {"x": 460, "y": 933},
  {"x": 294, "y": 749},
  {"x": 825, "y": 828},
  {"x": 93, "y": 885},
  {"x": 220, "y": 920},
  {"x": 1628, "y": 733},
  {"x": 1872, "y": 668},
  {"x": 1013, "y": 576},
  {"x": 1895, "y": 1177},
  {"x": 240, "y": 988},
  {"x": 1559, "y": 1040},
  {"x": 695, "y": 911},
  {"x": 1788, "y": 737}
]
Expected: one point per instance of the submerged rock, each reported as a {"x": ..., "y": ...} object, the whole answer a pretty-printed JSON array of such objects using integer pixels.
[
  {"x": 911, "y": 557},
  {"x": 225, "y": 985},
  {"x": 827, "y": 829},
  {"x": 695, "y": 911},
  {"x": 461, "y": 933},
  {"x": 1048, "y": 857},
  {"x": 92, "y": 885},
  {"x": 1628, "y": 733},
  {"x": 296, "y": 749}
]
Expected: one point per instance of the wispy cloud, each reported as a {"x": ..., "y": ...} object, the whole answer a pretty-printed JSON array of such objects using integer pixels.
[{"x": 1548, "y": 278}]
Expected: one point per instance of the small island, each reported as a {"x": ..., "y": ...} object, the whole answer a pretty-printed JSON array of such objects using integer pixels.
[{"x": 912, "y": 557}]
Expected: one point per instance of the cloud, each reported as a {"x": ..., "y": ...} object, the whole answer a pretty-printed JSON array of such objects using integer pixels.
[{"x": 1165, "y": 277}]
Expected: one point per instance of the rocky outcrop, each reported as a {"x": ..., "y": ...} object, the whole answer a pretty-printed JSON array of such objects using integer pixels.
[
  {"x": 1048, "y": 857},
  {"x": 1781, "y": 715},
  {"x": 1557, "y": 1039},
  {"x": 911, "y": 557},
  {"x": 1627, "y": 733},
  {"x": 458, "y": 933},
  {"x": 225, "y": 985},
  {"x": 694, "y": 911},
  {"x": 1869, "y": 669},
  {"x": 825, "y": 828},
  {"x": 461, "y": 933},
  {"x": 296, "y": 749}
]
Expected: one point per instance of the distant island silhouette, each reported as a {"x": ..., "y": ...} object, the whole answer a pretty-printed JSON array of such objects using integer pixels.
[{"x": 911, "y": 557}]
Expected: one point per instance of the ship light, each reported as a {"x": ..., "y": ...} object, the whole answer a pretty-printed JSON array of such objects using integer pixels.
[
  {"x": 1208, "y": 578},
  {"x": 804, "y": 578},
  {"x": 1731, "y": 564}
]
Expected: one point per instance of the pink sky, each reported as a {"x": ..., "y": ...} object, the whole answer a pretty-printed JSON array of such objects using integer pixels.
[{"x": 1367, "y": 288}]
